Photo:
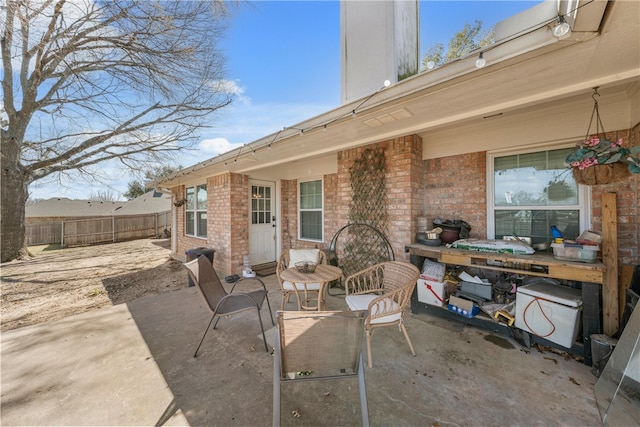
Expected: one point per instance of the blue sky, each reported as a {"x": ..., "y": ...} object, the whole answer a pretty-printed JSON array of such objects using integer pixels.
[{"x": 284, "y": 58}]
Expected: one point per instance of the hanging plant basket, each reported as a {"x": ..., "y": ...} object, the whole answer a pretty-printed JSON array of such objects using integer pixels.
[{"x": 601, "y": 174}]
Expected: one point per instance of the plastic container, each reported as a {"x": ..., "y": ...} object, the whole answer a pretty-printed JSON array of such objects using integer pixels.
[
  {"x": 433, "y": 270},
  {"x": 581, "y": 253},
  {"x": 482, "y": 290},
  {"x": 463, "y": 312},
  {"x": 462, "y": 307},
  {"x": 601, "y": 348},
  {"x": 194, "y": 253}
]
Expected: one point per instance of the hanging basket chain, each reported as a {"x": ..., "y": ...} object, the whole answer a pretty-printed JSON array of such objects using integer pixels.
[
  {"x": 598, "y": 160},
  {"x": 595, "y": 113}
]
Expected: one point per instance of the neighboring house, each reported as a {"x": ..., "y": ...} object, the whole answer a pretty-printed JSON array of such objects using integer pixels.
[
  {"x": 150, "y": 202},
  {"x": 446, "y": 137},
  {"x": 59, "y": 209}
]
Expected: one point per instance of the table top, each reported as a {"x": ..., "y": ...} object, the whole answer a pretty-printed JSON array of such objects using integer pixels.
[
  {"x": 323, "y": 273},
  {"x": 538, "y": 264}
]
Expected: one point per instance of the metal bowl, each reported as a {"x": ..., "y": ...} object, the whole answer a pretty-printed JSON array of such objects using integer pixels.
[{"x": 544, "y": 246}]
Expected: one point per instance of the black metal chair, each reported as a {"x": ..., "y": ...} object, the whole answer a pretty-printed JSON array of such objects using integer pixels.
[{"x": 222, "y": 303}]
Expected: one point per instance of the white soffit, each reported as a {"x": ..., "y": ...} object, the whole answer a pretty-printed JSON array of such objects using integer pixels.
[{"x": 387, "y": 118}]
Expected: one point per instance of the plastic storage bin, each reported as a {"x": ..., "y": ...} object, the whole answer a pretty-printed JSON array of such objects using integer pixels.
[
  {"x": 582, "y": 253},
  {"x": 194, "y": 253},
  {"x": 549, "y": 311}
]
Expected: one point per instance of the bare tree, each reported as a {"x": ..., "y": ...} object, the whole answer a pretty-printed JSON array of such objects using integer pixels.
[
  {"x": 89, "y": 81},
  {"x": 103, "y": 196},
  {"x": 470, "y": 38},
  {"x": 138, "y": 187}
]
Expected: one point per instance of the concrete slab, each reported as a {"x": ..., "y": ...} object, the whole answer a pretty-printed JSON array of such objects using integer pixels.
[{"x": 133, "y": 365}]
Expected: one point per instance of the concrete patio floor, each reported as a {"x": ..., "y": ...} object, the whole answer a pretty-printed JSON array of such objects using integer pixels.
[{"x": 132, "y": 364}]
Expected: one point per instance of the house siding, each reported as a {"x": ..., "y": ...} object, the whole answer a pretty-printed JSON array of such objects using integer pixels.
[
  {"x": 455, "y": 188},
  {"x": 451, "y": 187},
  {"x": 403, "y": 180}
]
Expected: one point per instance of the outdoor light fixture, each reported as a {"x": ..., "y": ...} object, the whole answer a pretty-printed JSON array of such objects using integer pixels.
[
  {"x": 431, "y": 65},
  {"x": 387, "y": 83},
  {"x": 480, "y": 62},
  {"x": 562, "y": 28}
]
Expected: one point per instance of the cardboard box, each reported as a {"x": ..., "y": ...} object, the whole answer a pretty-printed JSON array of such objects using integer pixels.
[
  {"x": 434, "y": 293},
  {"x": 462, "y": 307}
]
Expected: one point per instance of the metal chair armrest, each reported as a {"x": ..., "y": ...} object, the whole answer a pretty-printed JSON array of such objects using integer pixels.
[{"x": 242, "y": 279}]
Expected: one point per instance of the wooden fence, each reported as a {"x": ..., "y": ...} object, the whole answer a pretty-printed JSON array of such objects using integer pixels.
[{"x": 84, "y": 232}]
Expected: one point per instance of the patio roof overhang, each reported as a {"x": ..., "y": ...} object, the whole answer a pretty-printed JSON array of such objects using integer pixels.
[{"x": 525, "y": 76}]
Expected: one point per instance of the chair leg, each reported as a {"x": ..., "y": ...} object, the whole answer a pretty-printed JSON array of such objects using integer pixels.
[
  {"x": 276, "y": 382},
  {"x": 264, "y": 337},
  {"x": 368, "y": 336},
  {"x": 284, "y": 299},
  {"x": 205, "y": 334},
  {"x": 269, "y": 307},
  {"x": 364, "y": 407},
  {"x": 406, "y": 335}
]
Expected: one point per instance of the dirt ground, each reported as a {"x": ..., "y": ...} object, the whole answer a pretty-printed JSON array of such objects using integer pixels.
[{"x": 57, "y": 283}]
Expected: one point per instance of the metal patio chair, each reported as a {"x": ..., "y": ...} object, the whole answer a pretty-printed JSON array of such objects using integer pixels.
[
  {"x": 222, "y": 303},
  {"x": 318, "y": 345}
]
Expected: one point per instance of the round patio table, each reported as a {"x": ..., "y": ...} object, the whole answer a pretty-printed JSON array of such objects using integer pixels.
[{"x": 323, "y": 274}]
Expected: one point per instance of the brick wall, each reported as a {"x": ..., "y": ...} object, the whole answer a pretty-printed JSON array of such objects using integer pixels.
[
  {"x": 402, "y": 181},
  {"x": 404, "y": 201},
  {"x": 227, "y": 222},
  {"x": 455, "y": 188},
  {"x": 450, "y": 188},
  {"x": 239, "y": 220},
  {"x": 289, "y": 214},
  {"x": 628, "y": 205}
]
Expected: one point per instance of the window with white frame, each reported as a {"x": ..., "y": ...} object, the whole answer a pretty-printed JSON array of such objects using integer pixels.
[
  {"x": 310, "y": 213},
  {"x": 528, "y": 192},
  {"x": 195, "y": 218}
]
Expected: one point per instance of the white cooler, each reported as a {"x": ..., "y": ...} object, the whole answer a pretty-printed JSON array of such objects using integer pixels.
[{"x": 549, "y": 311}]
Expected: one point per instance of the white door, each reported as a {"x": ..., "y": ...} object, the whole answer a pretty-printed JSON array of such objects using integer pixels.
[{"x": 262, "y": 222}]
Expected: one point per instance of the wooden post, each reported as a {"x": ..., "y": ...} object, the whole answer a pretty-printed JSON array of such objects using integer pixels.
[{"x": 611, "y": 320}]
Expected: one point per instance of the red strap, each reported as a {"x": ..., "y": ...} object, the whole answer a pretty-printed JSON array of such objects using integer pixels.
[{"x": 434, "y": 293}]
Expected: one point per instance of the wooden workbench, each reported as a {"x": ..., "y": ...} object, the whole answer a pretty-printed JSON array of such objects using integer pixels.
[{"x": 543, "y": 264}]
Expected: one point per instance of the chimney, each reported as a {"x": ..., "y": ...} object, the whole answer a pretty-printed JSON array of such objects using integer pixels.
[{"x": 379, "y": 41}]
